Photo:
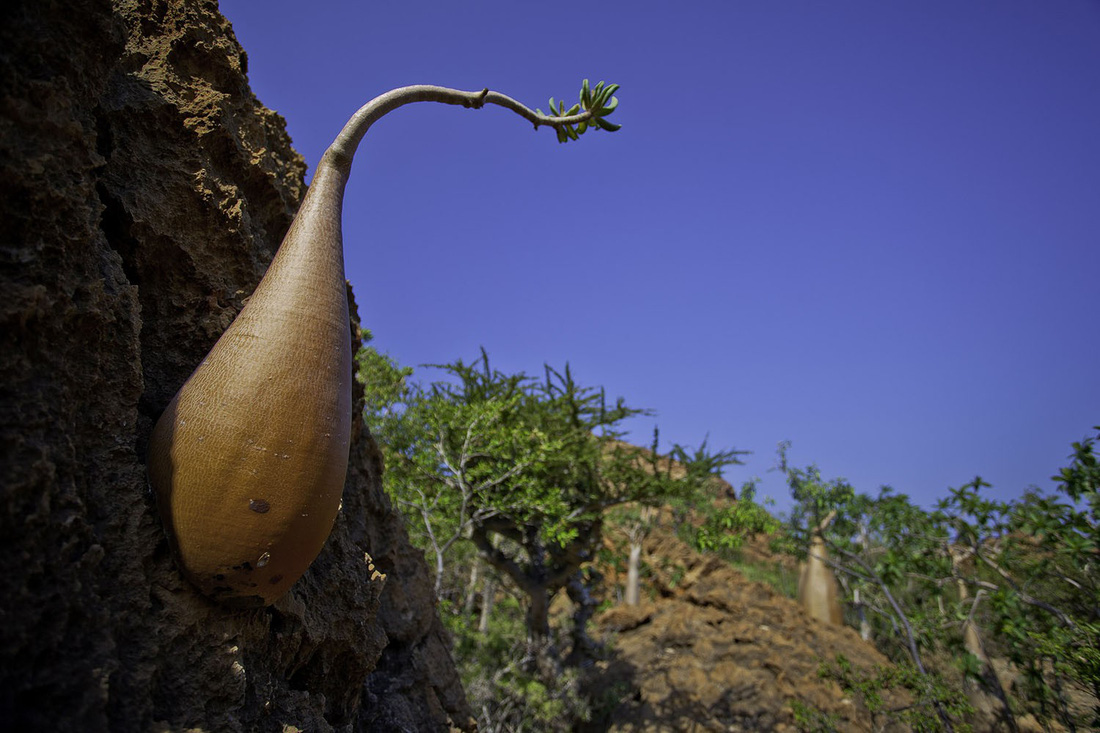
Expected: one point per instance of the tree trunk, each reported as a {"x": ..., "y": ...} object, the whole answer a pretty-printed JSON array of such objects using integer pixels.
[
  {"x": 488, "y": 591},
  {"x": 119, "y": 269},
  {"x": 584, "y": 648},
  {"x": 438, "y": 588},
  {"x": 817, "y": 589},
  {"x": 991, "y": 702},
  {"x": 538, "y": 617},
  {"x": 632, "y": 592},
  {"x": 541, "y": 657},
  {"x": 864, "y": 624},
  {"x": 471, "y": 589}
]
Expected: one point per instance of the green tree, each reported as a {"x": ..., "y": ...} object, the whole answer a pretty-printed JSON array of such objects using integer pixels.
[
  {"x": 979, "y": 577},
  {"x": 636, "y": 520},
  {"x": 523, "y": 469},
  {"x": 1036, "y": 559},
  {"x": 726, "y": 528},
  {"x": 889, "y": 552},
  {"x": 975, "y": 578}
]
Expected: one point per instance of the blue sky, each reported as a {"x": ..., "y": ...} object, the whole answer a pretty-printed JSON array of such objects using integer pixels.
[{"x": 869, "y": 228}]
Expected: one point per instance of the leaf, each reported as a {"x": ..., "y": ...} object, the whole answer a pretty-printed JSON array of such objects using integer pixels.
[{"x": 605, "y": 125}]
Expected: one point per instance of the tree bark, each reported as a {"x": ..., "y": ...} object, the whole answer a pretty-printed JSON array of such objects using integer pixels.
[
  {"x": 488, "y": 594},
  {"x": 538, "y": 617},
  {"x": 864, "y": 624},
  {"x": 438, "y": 587},
  {"x": 632, "y": 590},
  {"x": 817, "y": 588},
  {"x": 471, "y": 588},
  {"x": 584, "y": 648},
  {"x": 979, "y": 697}
]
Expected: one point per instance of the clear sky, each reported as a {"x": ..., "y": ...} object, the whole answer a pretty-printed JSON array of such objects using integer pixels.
[{"x": 870, "y": 228}]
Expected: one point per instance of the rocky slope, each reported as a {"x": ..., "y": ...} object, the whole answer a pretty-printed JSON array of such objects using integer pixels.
[
  {"x": 144, "y": 191},
  {"x": 710, "y": 650}
]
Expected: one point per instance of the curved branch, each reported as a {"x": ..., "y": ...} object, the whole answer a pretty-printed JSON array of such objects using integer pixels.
[{"x": 340, "y": 153}]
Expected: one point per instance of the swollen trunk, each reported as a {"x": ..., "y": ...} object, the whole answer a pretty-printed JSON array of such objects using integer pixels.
[{"x": 817, "y": 588}]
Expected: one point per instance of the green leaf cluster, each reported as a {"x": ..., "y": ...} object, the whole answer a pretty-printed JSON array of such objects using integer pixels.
[
  {"x": 598, "y": 100},
  {"x": 728, "y": 527}
]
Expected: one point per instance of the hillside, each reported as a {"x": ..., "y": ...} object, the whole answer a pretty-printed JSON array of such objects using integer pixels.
[{"x": 709, "y": 650}]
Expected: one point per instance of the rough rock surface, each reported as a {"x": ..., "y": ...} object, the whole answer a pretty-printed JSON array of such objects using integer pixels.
[
  {"x": 144, "y": 191},
  {"x": 713, "y": 651}
]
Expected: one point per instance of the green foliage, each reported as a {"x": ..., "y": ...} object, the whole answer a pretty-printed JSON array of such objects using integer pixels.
[
  {"x": 1021, "y": 573},
  {"x": 1037, "y": 557},
  {"x": 385, "y": 384},
  {"x": 534, "y": 465},
  {"x": 727, "y": 528},
  {"x": 930, "y": 693},
  {"x": 522, "y": 468},
  {"x": 781, "y": 578},
  {"x": 599, "y": 100},
  {"x": 503, "y": 693},
  {"x": 811, "y": 720},
  {"x": 814, "y": 497}
]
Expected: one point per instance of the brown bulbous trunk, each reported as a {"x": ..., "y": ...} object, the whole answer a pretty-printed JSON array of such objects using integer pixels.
[
  {"x": 248, "y": 460},
  {"x": 817, "y": 587}
]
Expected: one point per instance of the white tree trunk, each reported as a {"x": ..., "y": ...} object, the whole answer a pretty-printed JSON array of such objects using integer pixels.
[
  {"x": 471, "y": 588},
  {"x": 488, "y": 591},
  {"x": 632, "y": 591},
  {"x": 817, "y": 588},
  {"x": 864, "y": 624},
  {"x": 438, "y": 573},
  {"x": 994, "y": 701}
]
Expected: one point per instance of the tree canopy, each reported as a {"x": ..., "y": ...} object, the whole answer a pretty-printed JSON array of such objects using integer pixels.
[
  {"x": 523, "y": 468},
  {"x": 975, "y": 576}
]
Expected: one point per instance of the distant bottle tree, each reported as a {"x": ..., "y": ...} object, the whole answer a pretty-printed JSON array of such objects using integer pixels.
[{"x": 973, "y": 579}]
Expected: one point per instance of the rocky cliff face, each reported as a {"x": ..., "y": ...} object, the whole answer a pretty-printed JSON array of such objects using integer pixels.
[{"x": 144, "y": 191}]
